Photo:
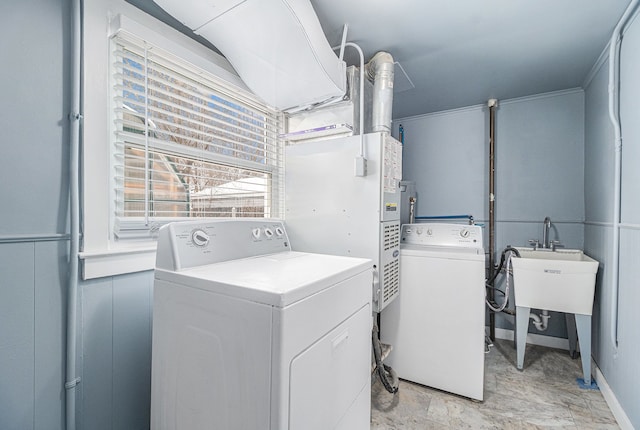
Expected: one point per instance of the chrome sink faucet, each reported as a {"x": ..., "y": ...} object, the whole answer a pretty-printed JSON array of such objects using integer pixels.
[
  {"x": 546, "y": 242},
  {"x": 545, "y": 232}
]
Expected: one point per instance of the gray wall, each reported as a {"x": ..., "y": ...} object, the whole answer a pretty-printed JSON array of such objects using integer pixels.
[
  {"x": 115, "y": 340},
  {"x": 620, "y": 367},
  {"x": 33, "y": 244},
  {"x": 115, "y": 392},
  {"x": 539, "y": 170},
  {"x": 538, "y": 147}
]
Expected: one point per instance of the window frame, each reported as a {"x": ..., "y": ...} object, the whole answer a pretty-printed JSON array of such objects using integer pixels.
[
  {"x": 101, "y": 255},
  {"x": 230, "y": 124}
]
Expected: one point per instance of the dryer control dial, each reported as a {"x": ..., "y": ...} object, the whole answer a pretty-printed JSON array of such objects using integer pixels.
[{"x": 200, "y": 238}]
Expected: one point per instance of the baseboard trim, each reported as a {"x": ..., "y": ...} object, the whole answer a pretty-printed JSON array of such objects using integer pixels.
[
  {"x": 618, "y": 413},
  {"x": 535, "y": 339}
]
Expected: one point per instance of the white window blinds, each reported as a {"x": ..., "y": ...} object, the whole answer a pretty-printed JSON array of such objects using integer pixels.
[{"x": 186, "y": 144}]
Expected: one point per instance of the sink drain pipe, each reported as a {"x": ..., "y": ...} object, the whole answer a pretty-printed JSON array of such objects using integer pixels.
[
  {"x": 541, "y": 322},
  {"x": 614, "y": 116}
]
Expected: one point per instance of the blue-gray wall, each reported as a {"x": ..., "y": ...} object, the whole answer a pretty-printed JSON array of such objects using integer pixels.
[
  {"x": 554, "y": 157},
  {"x": 539, "y": 147},
  {"x": 539, "y": 164},
  {"x": 620, "y": 367},
  {"x": 115, "y": 392},
  {"x": 114, "y": 359},
  {"x": 33, "y": 191}
]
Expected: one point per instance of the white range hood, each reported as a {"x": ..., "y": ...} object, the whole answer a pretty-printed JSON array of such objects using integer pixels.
[{"x": 277, "y": 47}]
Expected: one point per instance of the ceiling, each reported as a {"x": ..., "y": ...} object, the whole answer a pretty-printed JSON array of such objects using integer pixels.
[{"x": 462, "y": 53}]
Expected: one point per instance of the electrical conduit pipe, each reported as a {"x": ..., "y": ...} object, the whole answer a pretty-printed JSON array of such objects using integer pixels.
[
  {"x": 74, "y": 217},
  {"x": 361, "y": 166},
  {"x": 614, "y": 116}
]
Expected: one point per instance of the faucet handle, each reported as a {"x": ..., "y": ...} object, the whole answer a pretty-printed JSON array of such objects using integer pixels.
[
  {"x": 535, "y": 243},
  {"x": 555, "y": 244}
]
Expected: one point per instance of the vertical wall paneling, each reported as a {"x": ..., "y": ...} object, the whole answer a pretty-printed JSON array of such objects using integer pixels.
[
  {"x": 116, "y": 352},
  {"x": 50, "y": 330},
  {"x": 597, "y": 239},
  {"x": 131, "y": 350},
  {"x": 97, "y": 351},
  {"x": 628, "y": 332},
  {"x": 17, "y": 336}
]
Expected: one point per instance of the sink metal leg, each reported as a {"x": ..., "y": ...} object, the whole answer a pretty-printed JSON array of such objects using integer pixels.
[
  {"x": 522, "y": 327},
  {"x": 572, "y": 335},
  {"x": 583, "y": 324}
]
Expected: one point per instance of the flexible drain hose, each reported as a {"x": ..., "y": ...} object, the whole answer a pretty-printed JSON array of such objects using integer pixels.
[
  {"x": 387, "y": 375},
  {"x": 505, "y": 261}
]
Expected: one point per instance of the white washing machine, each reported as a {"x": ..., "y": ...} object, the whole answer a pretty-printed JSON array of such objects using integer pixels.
[
  {"x": 248, "y": 334},
  {"x": 436, "y": 326}
]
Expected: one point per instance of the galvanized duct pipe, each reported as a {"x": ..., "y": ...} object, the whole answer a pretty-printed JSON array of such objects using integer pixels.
[
  {"x": 493, "y": 103},
  {"x": 380, "y": 72}
]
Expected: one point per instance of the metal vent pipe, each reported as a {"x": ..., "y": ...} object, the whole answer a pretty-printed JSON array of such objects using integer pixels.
[{"x": 380, "y": 71}]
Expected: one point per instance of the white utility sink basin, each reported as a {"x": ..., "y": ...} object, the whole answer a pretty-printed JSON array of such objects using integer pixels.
[{"x": 562, "y": 280}]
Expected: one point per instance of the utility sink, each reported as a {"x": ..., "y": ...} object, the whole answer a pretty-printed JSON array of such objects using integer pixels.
[{"x": 562, "y": 280}]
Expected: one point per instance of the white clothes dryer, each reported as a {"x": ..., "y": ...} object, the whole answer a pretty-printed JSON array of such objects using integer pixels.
[
  {"x": 248, "y": 334},
  {"x": 436, "y": 326}
]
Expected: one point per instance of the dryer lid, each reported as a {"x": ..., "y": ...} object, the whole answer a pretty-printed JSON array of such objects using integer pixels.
[{"x": 278, "y": 279}]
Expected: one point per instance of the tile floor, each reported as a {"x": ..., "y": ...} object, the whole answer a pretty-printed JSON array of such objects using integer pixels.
[{"x": 542, "y": 396}]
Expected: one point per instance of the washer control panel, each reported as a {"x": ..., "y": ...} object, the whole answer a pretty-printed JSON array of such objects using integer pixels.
[
  {"x": 441, "y": 234},
  {"x": 187, "y": 244}
]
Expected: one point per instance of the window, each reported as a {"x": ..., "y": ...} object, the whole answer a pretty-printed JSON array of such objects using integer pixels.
[{"x": 186, "y": 144}]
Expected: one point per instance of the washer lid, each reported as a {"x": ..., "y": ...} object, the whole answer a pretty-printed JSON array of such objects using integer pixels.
[{"x": 277, "y": 279}]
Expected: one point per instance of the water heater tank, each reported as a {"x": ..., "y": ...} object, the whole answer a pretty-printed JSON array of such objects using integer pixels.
[{"x": 277, "y": 47}]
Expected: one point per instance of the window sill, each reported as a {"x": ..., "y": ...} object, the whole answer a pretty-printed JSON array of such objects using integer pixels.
[{"x": 120, "y": 262}]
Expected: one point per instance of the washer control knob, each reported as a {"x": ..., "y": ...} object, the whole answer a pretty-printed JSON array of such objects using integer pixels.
[
  {"x": 419, "y": 231},
  {"x": 429, "y": 232},
  {"x": 268, "y": 232},
  {"x": 464, "y": 233},
  {"x": 199, "y": 238},
  {"x": 279, "y": 231},
  {"x": 255, "y": 233}
]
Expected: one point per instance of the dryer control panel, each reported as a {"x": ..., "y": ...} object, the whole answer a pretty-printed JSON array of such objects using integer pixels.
[
  {"x": 441, "y": 234},
  {"x": 187, "y": 244}
]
